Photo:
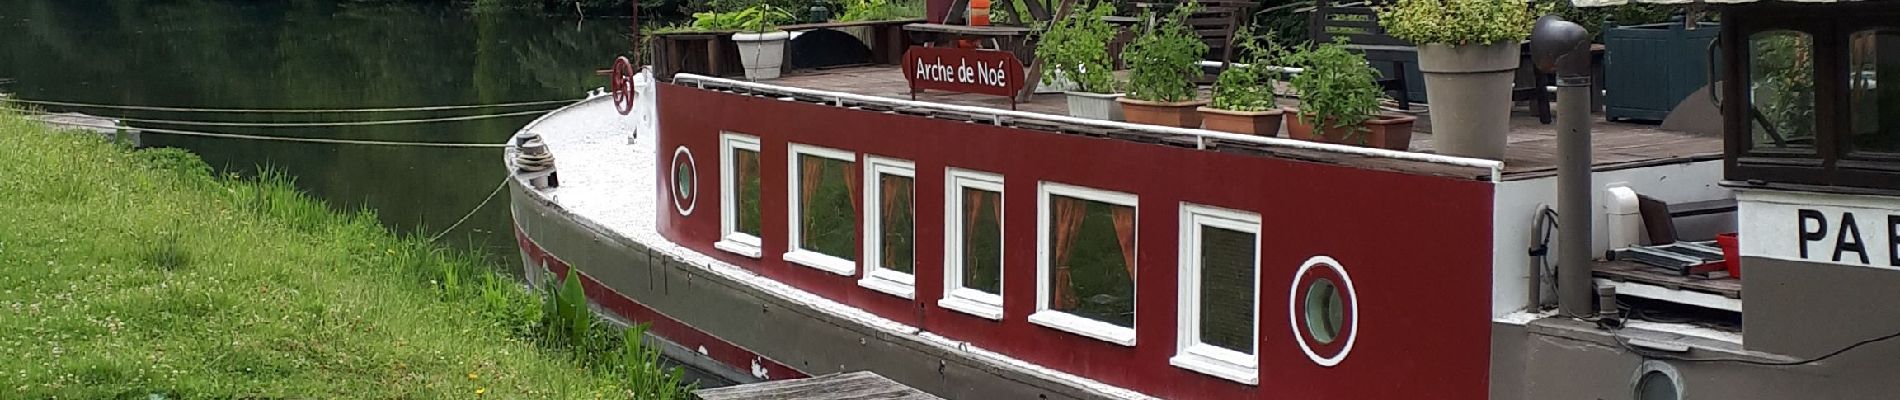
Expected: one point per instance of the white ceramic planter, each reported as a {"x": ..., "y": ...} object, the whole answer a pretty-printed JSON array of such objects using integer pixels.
[
  {"x": 1095, "y": 105},
  {"x": 1469, "y": 88},
  {"x": 762, "y": 54}
]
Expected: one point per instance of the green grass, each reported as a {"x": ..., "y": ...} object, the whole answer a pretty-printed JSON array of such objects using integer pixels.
[{"x": 125, "y": 274}]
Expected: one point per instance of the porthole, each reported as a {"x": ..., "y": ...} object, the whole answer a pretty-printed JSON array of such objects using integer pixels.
[
  {"x": 1657, "y": 381},
  {"x": 1322, "y": 309},
  {"x": 685, "y": 179},
  {"x": 1324, "y": 313}
]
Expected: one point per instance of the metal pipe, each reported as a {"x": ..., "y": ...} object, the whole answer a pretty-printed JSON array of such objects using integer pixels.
[{"x": 1563, "y": 47}]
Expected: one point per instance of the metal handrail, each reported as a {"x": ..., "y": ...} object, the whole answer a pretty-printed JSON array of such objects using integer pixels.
[{"x": 1199, "y": 135}]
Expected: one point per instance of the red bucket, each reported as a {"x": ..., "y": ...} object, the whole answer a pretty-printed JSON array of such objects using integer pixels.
[{"x": 1731, "y": 254}]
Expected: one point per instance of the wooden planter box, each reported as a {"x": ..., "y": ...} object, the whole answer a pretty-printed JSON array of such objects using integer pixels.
[
  {"x": 710, "y": 53},
  {"x": 1648, "y": 69}
]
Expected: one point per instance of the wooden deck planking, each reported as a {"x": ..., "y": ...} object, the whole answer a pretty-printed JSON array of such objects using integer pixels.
[
  {"x": 861, "y": 385},
  {"x": 1630, "y": 271},
  {"x": 1532, "y": 152}
]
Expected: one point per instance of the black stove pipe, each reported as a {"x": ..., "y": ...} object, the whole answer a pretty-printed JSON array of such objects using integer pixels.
[{"x": 1563, "y": 47}]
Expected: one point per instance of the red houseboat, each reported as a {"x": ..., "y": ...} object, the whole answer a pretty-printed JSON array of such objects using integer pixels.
[{"x": 825, "y": 222}]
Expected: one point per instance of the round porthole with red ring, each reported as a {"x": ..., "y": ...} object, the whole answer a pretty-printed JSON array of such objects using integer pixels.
[
  {"x": 685, "y": 178},
  {"x": 1323, "y": 310}
]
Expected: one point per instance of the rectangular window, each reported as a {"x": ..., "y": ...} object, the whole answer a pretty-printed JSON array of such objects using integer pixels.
[
  {"x": 822, "y": 193},
  {"x": 1813, "y": 113},
  {"x": 889, "y": 223},
  {"x": 973, "y": 252},
  {"x": 1086, "y": 262},
  {"x": 1219, "y": 305},
  {"x": 1874, "y": 110},
  {"x": 739, "y": 177}
]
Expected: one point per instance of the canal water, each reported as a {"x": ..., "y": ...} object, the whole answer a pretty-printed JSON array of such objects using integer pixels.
[{"x": 328, "y": 54}]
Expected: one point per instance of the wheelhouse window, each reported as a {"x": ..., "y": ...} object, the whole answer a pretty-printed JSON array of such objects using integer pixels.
[
  {"x": 1874, "y": 109},
  {"x": 1219, "y": 293},
  {"x": 973, "y": 265},
  {"x": 890, "y": 226},
  {"x": 1086, "y": 267},
  {"x": 739, "y": 179},
  {"x": 1813, "y": 112},
  {"x": 1781, "y": 87},
  {"x": 823, "y": 188}
]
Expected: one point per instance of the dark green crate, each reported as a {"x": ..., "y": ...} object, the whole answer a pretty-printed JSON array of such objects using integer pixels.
[{"x": 1648, "y": 69}]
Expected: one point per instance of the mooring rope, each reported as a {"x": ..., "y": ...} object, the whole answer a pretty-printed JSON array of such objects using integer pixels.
[
  {"x": 478, "y": 207},
  {"x": 285, "y": 138},
  {"x": 285, "y": 110},
  {"x": 312, "y": 124}
]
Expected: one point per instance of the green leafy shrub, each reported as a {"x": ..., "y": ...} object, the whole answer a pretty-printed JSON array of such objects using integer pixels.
[
  {"x": 756, "y": 18},
  {"x": 880, "y": 10},
  {"x": 1458, "y": 22},
  {"x": 1593, "y": 19},
  {"x": 1165, "y": 58},
  {"x": 1249, "y": 87},
  {"x": 1336, "y": 86},
  {"x": 1076, "y": 47}
]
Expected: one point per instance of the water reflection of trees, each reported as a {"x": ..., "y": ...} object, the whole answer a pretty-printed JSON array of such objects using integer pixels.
[{"x": 318, "y": 54}]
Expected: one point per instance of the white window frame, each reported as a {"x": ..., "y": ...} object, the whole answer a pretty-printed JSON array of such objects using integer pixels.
[
  {"x": 1190, "y": 353},
  {"x": 730, "y": 239},
  {"x": 876, "y": 276},
  {"x": 801, "y": 256},
  {"x": 1064, "y": 321},
  {"x": 955, "y": 296}
]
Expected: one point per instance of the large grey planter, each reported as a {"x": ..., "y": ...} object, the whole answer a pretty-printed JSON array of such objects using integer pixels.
[
  {"x": 1469, "y": 89},
  {"x": 762, "y": 54},
  {"x": 1100, "y": 106}
]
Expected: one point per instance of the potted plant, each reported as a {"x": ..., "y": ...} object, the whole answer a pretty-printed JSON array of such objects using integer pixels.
[
  {"x": 1339, "y": 101},
  {"x": 1243, "y": 95},
  {"x": 761, "y": 44},
  {"x": 1468, "y": 51},
  {"x": 1165, "y": 58},
  {"x": 1076, "y": 50}
]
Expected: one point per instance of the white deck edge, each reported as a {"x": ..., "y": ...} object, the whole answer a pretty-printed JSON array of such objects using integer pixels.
[
  {"x": 1522, "y": 318},
  {"x": 1647, "y": 291},
  {"x": 1200, "y": 135},
  {"x": 687, "y": 256}
]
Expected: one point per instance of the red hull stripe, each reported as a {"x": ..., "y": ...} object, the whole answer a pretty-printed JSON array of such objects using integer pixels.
[{"x": 731, "y": 355}]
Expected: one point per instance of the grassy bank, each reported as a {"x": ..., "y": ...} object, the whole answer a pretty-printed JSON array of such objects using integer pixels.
[{"x": 125, "y": 274}]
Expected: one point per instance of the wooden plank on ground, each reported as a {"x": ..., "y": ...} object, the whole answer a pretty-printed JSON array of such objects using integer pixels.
[{"x": 861, "y": 385}]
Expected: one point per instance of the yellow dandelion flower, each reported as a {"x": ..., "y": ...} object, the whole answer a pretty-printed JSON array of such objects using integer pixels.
[
  {"x": 471, "y": 375},
  {"x": 479, "y": 391}
]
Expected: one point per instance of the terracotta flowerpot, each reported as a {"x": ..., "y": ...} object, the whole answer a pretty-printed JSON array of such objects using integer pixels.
[
  {"x": 1177, "y": 113},
  {"x": 1392, "y": 132},
  {"x": 1258, "y": 123}
]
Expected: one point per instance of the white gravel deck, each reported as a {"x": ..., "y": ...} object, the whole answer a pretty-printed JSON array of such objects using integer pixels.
[{"x": 608, "y": 180}]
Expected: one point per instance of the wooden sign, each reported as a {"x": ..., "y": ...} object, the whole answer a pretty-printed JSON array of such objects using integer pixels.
[{"x": 964, "y": 71}]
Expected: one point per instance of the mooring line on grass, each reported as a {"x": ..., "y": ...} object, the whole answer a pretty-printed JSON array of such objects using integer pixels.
[
  {"x": 310, "y": 124},
  {"x": 284, "y": 138},
  {"x": 287, "y": 110},
  {"x": 478, "y": 207}
]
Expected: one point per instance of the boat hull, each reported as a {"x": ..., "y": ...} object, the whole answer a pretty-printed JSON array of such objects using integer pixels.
[{"x": 737, "y": 330}]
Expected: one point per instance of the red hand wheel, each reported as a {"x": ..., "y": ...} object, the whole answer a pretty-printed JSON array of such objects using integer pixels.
[{"x": 622, "y": 81}]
